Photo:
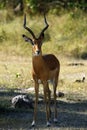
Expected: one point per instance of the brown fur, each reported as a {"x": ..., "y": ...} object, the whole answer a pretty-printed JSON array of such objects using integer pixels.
[{"x": 45, "y": 68}]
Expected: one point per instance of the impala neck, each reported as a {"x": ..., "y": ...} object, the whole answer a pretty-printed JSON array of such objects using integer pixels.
[
  {"x": 37, "y": 62},
  {"x": 37, "y": 59}
]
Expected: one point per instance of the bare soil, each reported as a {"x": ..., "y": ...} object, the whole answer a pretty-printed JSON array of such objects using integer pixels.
[{"x": 72, "y": 113}]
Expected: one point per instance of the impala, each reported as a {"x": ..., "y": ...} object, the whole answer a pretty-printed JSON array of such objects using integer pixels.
[{"x": 45, "y": 69}]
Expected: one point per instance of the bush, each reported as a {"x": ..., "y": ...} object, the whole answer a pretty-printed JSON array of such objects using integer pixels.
[{"x": 84, "y": 55}]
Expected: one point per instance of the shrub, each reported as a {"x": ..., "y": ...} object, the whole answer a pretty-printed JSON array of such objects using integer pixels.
[{"x": 84, "y": 55}]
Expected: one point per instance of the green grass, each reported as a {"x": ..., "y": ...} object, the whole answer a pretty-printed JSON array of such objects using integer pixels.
[{"x": 67, "y": 34}]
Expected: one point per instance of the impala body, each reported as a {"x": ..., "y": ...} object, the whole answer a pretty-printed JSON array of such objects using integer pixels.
[{"x": 45, "y": 69}]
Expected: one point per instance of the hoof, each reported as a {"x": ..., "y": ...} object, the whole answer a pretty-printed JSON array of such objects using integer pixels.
[
  {"x": 55, "y": 120},
  {"x": 48, "y": 124},
  {"x": 33, "y": 124}
]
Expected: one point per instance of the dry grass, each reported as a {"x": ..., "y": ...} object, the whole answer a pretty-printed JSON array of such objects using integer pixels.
[{"x": 15, "y": 72}]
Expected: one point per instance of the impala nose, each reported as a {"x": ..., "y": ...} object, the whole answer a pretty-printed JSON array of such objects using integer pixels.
[{"x": 38, "y": 52}]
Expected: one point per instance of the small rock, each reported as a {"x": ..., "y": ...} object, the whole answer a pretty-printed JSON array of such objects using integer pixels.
[
  {"x": 22, "y": 101},
  {"x": 60, "y": 94}
]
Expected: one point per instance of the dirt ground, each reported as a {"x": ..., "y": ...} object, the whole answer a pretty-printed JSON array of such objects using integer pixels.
[{"x": 72, "y": 114}]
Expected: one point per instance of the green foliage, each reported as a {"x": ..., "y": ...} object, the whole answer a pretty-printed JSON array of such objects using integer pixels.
[
  {"x": 2, "y": 4},
  {"x": 68, "y": 35},
  {"x": 3, "y": 36},
  {"x": 39, "y": 6},
  {"x": 33, "y": 4}
]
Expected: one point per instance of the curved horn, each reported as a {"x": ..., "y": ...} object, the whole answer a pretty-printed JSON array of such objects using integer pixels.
[
  {"x": 42, "y": 32},
  {"x": 28, "y": 29}
]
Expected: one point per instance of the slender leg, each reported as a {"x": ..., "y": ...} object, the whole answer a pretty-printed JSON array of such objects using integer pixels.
[
  {"x": 49, "y": 100},
  {"x": 55, "y": 103},
  {"x": 36, "y": 102},
  {"x": 46, "y": 98}
]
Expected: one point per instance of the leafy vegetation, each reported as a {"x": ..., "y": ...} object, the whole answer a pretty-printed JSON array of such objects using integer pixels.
[
  {"x": 39, "y": 6},
  {"x": 68, "y": 34}
]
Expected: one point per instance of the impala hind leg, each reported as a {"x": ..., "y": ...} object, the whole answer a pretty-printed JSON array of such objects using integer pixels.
[
  {"x": 36, "y": 102},
  {"x": 49, "y": 101},
  {"x": 55, "y": 102}
]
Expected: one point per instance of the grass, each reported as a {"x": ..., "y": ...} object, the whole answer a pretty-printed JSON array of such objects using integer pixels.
[
  {"x": 66, "y": 35},
  {"x": 15, "y": 72}
]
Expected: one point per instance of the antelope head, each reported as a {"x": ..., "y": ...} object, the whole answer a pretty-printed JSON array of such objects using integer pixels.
[{"x": 36, "y": 42}]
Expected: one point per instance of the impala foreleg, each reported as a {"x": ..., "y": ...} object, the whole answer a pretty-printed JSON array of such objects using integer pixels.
[
  {"x": 47, "y": 102},
  {"x": 36, "y": 102}
]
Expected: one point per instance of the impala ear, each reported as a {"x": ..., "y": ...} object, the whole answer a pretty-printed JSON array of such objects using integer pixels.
[{"x": 27, "y": 39}]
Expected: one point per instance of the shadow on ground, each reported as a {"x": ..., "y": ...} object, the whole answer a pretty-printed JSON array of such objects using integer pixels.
[{"x": 71, "y": 114}]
